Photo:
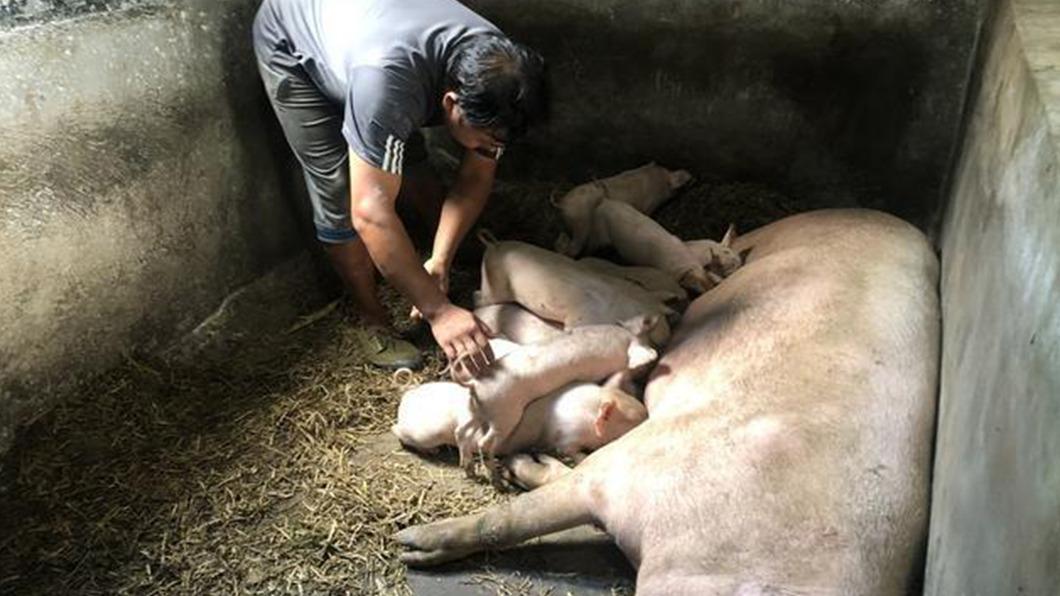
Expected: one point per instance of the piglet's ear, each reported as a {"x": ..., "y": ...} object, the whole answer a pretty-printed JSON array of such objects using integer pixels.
[{"x": 607, "y": 407}]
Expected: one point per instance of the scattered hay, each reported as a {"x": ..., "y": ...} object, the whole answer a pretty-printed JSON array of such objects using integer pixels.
[
  {"x": 267, "y": 468},
  {"x": 271, "y": 471}
]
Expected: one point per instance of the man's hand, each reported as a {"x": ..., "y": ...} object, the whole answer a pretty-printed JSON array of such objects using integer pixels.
[
  {"x": 439, "y": 272},
  {"x": 464, "y": 338}
]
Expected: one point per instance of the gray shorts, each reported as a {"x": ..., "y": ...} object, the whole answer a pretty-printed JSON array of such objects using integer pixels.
[{"x": 313, "y": 126}]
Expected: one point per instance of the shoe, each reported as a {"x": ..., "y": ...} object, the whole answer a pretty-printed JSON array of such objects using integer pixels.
[{"x": 382, "y": 348}]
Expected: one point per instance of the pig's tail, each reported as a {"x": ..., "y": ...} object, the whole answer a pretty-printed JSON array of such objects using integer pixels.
[
  {"x": 403, "y": 378},
  {"x": 486, "y": 237}
]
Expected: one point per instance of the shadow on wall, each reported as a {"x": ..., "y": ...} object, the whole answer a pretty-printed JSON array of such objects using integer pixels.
[
  {"x": 861, "y": 107},
  {"x": 859, "y": 93},
  {"x": 254, "y": 121}
]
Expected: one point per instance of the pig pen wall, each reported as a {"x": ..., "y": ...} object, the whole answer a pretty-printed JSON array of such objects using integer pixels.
[
  {"x": 995, "y": 517},
  {"x": 138, "y": 186},
  {"x": 833, "y": 103}
]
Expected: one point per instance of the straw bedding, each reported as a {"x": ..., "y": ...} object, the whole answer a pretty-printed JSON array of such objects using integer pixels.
[{"x": 265, "y": 468}]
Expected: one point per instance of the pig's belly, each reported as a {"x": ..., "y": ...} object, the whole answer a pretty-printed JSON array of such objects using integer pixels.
[
  {"x": 788, "y": 440},
  {"x": 704, "y": 507},
  {"x": 739, "y": 500}
]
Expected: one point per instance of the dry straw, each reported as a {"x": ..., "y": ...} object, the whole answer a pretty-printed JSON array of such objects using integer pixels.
[
  {"x": 266, "y": 470},
  {"x": 263, "y": 469}
]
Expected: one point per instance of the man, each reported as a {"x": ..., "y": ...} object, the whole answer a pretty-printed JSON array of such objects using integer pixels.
[{"x": 351, "y": 82}]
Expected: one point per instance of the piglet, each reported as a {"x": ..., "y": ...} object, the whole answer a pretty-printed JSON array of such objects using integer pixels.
[
  {"x": 588, "y": 354},
  {"x": 516, "y": 323},
  {"x": 556, "y": 288},
  {"x": 718, "y": 258},
  {"x": 429, "y": 415},
  {"x": 660, "y": 283},
  {"x": 570, "y": 421},
  {"x": 640, "y": 240},
  {"x": 574, "y": 420},
  {"x": 645, "y": 188}
]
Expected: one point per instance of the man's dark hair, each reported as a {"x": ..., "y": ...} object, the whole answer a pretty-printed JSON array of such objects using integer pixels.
[{"x": 500, "y": 84}]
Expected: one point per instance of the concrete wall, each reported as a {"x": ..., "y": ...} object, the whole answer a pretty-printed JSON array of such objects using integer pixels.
[
  {"x": 138, "y": 183},
  {"x": 833, "y": 103},
  {"x": 995, "y": 519},
  {"x": 22, "y": 12}
]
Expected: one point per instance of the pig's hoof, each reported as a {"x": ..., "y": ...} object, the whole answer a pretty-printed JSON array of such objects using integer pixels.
[
  {"x": 430, "y": 544},
  {"x": 528, "y": 472},
  {"x": 679, "y": 178},
  {"x": 517, "y": 469},
  {"x": 496, "y": 473}
]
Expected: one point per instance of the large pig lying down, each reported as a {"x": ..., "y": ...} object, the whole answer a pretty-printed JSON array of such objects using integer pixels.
[{"x": 787, "y": 448}]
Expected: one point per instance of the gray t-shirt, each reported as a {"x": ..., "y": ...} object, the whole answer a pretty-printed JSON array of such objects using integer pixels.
[{"x": 383, "y": 60}]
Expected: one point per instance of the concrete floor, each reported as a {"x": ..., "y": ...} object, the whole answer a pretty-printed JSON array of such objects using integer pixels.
[{"x": 582, "y": 560}]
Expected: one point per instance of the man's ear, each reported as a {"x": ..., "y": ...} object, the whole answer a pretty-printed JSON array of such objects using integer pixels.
[
  {"x": 449, "y": 101},
  {"x": 607, "y": 407}
]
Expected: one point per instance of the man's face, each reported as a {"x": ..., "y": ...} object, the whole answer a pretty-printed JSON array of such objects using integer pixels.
[{"x": 480, "y": 140}]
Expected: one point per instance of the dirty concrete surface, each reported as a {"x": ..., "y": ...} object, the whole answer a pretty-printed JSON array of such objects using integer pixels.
[
  {"x": 138, "y": 185},
  {"x": 256, "y": 468}
]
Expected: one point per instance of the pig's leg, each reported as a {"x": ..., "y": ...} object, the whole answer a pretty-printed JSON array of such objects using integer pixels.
[
  {"x": 623, "y": 381},
  {"x": 496, "y": 473},
  {"x": 551, "y": 508},
  {"x": 679, "y": 178},
  {"x": 466, "y": 435},
  {"x": 696, "y": 280},
  {"x": 488, "y": 443},
  {"x": 486, "y": 296},
  {"x": 529, "y": 473},
  {"x": 573, "y": 245},
  {"x": 492, "y": 291},
  {"x": 563, "y": 245}
]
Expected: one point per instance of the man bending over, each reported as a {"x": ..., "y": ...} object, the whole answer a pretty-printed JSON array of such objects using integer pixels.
[{"x": 352, "y": 82}]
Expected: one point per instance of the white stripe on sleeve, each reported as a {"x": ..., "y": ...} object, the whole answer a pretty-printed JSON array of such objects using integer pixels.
[
  {"x": 399, "y": 157},
  {"x": 389, "y": 154}
]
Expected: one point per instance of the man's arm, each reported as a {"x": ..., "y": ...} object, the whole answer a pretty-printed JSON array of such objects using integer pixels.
[
  {"x": 462, "y": 206},
  {"x": 373, "y": 193}
]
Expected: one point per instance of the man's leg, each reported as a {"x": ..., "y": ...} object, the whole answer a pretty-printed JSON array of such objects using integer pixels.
[
  {"x": 354, "y": 265},
  {"x": 313, "y": 127},
  {"x": 421, "y": 187}
]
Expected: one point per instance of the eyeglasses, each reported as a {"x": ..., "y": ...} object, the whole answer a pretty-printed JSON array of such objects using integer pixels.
[{"x": 488, "y": 153}]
